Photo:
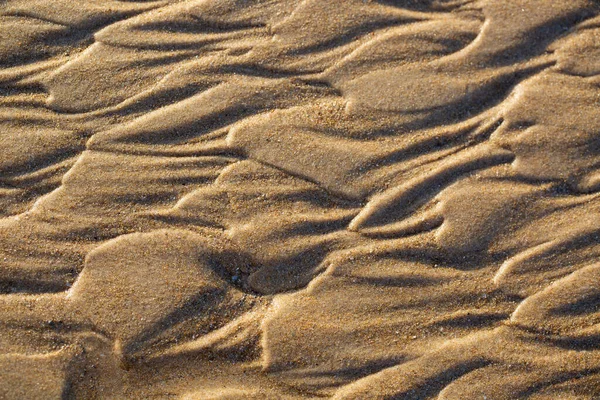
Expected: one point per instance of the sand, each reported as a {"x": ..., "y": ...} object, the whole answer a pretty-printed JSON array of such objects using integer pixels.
[{"x": 286, "y": 199}]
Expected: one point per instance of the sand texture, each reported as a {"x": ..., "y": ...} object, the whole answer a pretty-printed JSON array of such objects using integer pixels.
[{"x": 300, "y": 199}]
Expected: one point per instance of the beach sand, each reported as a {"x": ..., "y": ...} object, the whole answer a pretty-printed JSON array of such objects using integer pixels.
[{"x": 285, "y": 199}]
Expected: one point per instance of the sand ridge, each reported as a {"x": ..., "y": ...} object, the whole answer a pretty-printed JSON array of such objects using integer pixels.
[{"x": 293, "y": 199}]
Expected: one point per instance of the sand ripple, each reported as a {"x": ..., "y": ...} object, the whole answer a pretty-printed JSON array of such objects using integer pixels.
[{"x": 283, "y": 199}]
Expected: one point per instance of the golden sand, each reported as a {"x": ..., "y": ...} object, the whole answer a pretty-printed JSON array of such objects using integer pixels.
[{"x": 285, "y": 199}]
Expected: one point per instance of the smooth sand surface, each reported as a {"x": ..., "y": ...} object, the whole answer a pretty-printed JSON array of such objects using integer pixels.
[{"x": 300, "y": 199}]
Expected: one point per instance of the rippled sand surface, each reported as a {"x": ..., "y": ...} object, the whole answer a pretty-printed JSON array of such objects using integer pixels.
[{"x": 285, "y": 199}]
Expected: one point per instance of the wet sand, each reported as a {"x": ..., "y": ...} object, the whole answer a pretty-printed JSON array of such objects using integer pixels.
[{"x": 284, "y": 199}]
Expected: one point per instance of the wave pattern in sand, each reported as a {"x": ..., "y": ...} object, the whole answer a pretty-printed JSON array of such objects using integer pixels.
[{"x": 348, "y": 199}]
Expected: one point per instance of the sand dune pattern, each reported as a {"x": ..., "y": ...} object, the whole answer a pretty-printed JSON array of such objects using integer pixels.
[{"x": 285, "y": 199}]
